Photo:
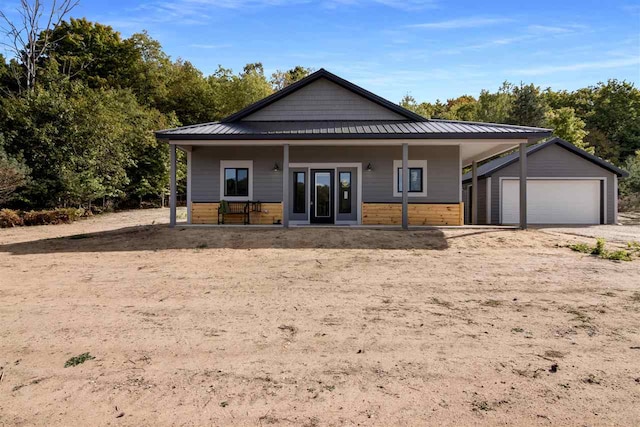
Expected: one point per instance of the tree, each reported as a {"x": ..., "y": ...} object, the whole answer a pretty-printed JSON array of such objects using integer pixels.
[
  {"x": 528, "y": 108},
  {"x": 233, "y": 92},
  {"x": 568, "y": 126},
  {"x": 495, "y": 107},
  {"x": 13, "y": 175},
  {"x": 281, "y": 79},
  {"x": 30, "y": 39},
  {"x": 616, "y": 113}
]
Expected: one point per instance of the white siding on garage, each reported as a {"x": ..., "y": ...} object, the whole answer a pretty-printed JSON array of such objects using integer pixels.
[{"x": 553, "y": 201}]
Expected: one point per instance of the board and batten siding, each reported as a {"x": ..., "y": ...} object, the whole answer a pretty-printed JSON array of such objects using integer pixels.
[
  {"x": 554, "y": 162},
  {"x": 323, "y": 100}
]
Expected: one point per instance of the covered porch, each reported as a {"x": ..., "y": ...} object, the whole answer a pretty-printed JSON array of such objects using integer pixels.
[{"x": 398, "y": 183}]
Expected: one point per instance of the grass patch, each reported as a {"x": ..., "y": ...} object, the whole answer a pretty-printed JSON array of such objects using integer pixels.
[
  {"x": 601, "y": 251},
  {"x": 78, "y": 360}
]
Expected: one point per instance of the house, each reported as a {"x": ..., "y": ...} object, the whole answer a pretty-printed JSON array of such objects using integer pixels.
[
  {"x": 565, "y": 185},
  {"x": 325, "y": 151}
]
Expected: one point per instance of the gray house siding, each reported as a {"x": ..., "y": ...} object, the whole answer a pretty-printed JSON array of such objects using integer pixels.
[
  {"x": 554, "y": 162},
  {"x": 442, "y": 179},
  {"x": 324, "y": 100},
  {"x": 482, "y": 202},
  {"x": 442, "y": 176},
  {"x": 205, "y": 171}
]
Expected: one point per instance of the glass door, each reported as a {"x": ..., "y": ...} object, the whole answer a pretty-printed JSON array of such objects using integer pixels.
[{"x": 322, "y": 197}]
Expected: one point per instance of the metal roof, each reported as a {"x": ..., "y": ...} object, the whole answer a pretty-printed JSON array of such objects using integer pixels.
[
  {"x": 415, "y": 126},
  {"x": 350, "y": 129},
  {"x": 487, "y": 169}
]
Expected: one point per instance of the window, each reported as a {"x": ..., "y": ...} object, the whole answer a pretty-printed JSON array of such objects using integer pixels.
[
  {"x": 345, "y": 192},
  {"x": 418, "y": 178},
  {"x": 299, "y": 192},
  {"x": 236, "y": 182},
  {"x": 415, "y": 180}
]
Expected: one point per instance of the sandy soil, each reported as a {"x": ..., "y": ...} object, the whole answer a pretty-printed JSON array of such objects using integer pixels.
[{"x": 205, "y": 326}]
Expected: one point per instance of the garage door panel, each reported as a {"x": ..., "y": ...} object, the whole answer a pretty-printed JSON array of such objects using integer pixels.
[{"x": 553, "y": 201}]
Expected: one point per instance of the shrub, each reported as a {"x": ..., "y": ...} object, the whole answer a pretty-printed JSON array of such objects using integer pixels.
[
  {"x": 10, "y": 218},
  {"x": 78, "y": 360},
  {"x": 55, "y": 216}
]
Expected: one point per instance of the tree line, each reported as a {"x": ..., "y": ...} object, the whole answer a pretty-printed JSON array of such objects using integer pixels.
[{"x": 80, "y": 103}]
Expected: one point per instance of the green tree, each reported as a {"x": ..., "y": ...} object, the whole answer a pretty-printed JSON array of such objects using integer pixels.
[
  {"x": 568, "y": 126},
  {"x": 281, "y": 79},
  {"x": 528, "y": 107},
  {"x": 495, "y": 107}
]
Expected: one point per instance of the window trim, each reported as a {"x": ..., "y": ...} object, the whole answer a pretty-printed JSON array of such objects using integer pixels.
[
  {"x": 340, "y": 195},
  {"x": 295, "y": 192},
  {"x": 236, "y": 164},
  {"x": 413, "y": 164}
]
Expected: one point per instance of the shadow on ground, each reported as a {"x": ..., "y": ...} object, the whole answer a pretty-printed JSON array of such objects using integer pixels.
[{"x": 160, "y": 237}]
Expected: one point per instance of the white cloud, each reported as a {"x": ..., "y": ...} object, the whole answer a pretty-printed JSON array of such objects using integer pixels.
[
  {"x": 470, "y": 22},
  {"x": 579, "y": 66}
]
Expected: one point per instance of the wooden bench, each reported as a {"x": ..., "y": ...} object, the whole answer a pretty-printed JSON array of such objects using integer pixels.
[{"x": 243, "y": 209}]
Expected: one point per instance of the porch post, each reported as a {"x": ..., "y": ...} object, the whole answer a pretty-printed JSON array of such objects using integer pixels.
[
  {"x": 189, "y": 150},
  {"x": 474, "y": 192},
  {"x": 405, "y": 186},
  {"x": 523, "y": 186},
  {"x": 172, "y": 185},
  {"x": 285, "y": 186}
]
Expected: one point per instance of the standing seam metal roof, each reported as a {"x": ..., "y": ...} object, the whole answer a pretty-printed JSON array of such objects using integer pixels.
[{"x": 414, "y": 126}]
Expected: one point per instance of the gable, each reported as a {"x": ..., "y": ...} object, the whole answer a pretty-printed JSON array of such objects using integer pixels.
[
  {"x": 323, "y": 100},
  {"x": 555, "y": 161}
]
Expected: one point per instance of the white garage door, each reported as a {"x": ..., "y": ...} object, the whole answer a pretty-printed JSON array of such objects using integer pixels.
[{"x": 562, "y": 201}]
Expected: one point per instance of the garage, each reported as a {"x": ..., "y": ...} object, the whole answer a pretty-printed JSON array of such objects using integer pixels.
[
  {"x": 565, "y": 185},
  {"x": 554, "y": 201}
]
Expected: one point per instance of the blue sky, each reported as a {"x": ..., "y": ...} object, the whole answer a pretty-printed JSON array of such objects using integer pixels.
[{"x": 428, "y": 48}]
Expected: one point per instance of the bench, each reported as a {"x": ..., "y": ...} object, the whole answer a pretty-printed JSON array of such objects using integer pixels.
[{"x": 243, "y": 209}]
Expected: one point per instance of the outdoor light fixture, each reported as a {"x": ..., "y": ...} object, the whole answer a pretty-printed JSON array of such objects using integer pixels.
[
  {"x": 369, "y": 167},
  {"x": 276, "y": 168}
]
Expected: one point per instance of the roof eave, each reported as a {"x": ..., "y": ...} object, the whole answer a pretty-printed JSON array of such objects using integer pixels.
[{"x": 307, "y": 136}]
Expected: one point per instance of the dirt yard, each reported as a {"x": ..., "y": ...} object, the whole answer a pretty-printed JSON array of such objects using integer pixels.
[{"x": 308, "y": 326}]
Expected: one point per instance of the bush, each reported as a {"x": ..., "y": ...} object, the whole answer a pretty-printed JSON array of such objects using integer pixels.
[
  {"x": 55, "y": 216},
  {"x": 10, "y": 218}
]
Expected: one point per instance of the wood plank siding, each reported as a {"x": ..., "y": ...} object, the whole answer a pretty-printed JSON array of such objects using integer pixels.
[
  {"x": 207, "y": 213},
  {"x": 419, "y": 214}
]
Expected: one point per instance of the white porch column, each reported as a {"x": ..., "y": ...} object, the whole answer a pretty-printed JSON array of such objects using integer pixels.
[
  {"x": 285, "y": 186},
  {"x": 189, "y": 149},
  {"x": 523, "y": 186},
  {"x": 172, "y": 186},
  {"x": 474, "y": 192},
  {"x": 405, "y": 186}
]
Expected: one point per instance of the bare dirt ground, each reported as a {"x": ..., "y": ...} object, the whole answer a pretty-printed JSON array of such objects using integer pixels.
[{"x": 206, "y": 326}]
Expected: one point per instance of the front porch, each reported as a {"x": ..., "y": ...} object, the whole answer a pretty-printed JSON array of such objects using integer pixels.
[{"x": 296, "y": 184}]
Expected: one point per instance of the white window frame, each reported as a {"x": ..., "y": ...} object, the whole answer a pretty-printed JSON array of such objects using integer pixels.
[
  {"x": 226, "y": 164},
  {"x": 412, "y": 164}
]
